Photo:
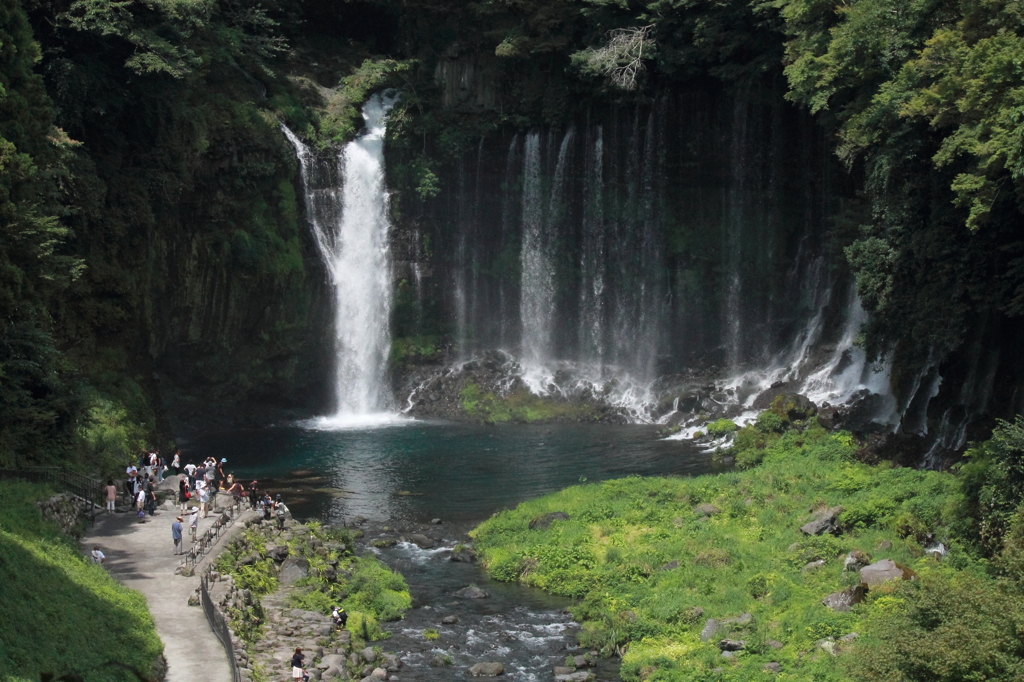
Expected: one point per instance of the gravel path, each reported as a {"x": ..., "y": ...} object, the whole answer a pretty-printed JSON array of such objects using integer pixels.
[{"x": 140, "y": 556}]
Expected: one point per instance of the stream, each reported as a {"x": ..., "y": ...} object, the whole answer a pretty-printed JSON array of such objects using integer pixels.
[{"x": 398, "y": 477}]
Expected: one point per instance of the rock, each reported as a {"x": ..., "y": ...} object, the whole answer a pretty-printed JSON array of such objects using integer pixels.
[
  {"x": 772, "y": 667},
  {"x": 543, "y": 521},
  {"x": 193, "y": 600},
  {"x": 465, "y": 555},
  {"x": 710, "y": 629},
  {"x": 845, "y": 599},
  {"x": 449, "y": 620},
  {"x": 436, "y": 522},
  {"x": 392, "y": 662},
  {"x": 773, "y": 643},
  {"x": 368, "y": 655},
  {"x": 331, "y": 660},
  {"x": 471, "y": 592},
  {"x": 439, "y": 662},
  {"x": 732, "y": 645},
  {"x": 383, "y": 542},
  {"x": 334, "y": 672},
  {"x": 937, "y": 550},
  {"x": 578, "y": 676},
  {"x": 743, "y": 619},
  {"x": 564, "y": 670},
  {"x": 292, "y": 570},
  {"x": 278, "y": 553},
  {"x": 421, "y": 541},
  {"x": 883, "y": 571},
  {"x": 826, "y": 645},
  {"x": 379, "y": 673},
  {"x": 824, "y": 522},
  {"x": 670, "y": 566},
  {"x": 728, "y": 654},
  {"x": 706, "y": 509},
  {"x": 812, "y": 565},
  {"x": 584, "y": 661},
  {"x": 848, "y": 638},
  {"x": 884, "y": 545},
  {"x": 487, "y": 669},
  {"x": 856, "y": 560},
  {"x": 796, "y": 406}
]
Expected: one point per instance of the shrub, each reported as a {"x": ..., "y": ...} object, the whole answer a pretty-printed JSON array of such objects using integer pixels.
[{"x": 721, "y": 427}]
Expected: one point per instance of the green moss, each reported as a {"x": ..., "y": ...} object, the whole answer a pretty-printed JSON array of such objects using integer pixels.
[
  {"x": 613, "y": 555},
  {"x": 721, "y": 427},
  {"x": 520, "y": 406},
  {"x": 76, "y": 620}
]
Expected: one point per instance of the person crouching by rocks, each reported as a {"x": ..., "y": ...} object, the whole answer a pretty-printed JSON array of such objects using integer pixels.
[
  {"x": 176, "y": 529},
  {"x": 297, "y": 672},
  {"x": 340, "y": 617}
]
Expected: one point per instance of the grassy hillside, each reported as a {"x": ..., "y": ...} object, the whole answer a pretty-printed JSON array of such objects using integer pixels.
[
  {"x": 652, "y": 559},
  {"x": 63, "y": 615}
]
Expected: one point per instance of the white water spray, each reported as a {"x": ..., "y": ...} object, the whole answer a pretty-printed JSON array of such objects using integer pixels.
[{"x": 348, "y": 212}]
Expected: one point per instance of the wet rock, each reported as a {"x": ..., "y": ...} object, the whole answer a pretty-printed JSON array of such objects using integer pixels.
[
  {"x": 564, "y": 670},
  {"x": 471, "y": 592},
  {"x": 845, "y": 599},
  {"x": 449, "y": 620},
  {"x": 543, "y": 521},
  {"x": 578, "y": 676},
  {"x": 824, "y": 522},
  {"x": 464, "y": 555},
  {"x": 439, "y": 662},
  {"x": 383, "y": 542},
  {"x": 856, "y": 560},
  {"x": 883, "y": 571},
  {"x": 487, "y": 669},
  {"x": 436, "y": 522},
  {"x": 584, "y": 661},
  {"x": 393, "y": 663},
  {"x": 421, "y": 541}
]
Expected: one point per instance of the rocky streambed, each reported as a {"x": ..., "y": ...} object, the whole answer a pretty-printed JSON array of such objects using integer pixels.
[{"x": 460, "y": 623}]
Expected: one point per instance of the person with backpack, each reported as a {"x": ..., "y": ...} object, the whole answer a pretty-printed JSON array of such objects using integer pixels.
[
  {"x": 340, "y": 617},
  {"x": 280, "y": 510}
]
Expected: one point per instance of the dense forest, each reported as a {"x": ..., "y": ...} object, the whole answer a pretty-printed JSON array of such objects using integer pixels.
[{"x": 155, "y": 263}]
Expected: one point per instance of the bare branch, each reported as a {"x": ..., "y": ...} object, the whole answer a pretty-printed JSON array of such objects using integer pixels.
[{"x": 621, "y": 58}]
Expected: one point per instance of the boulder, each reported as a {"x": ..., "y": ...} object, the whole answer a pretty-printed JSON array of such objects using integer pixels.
[
  {"x": 578, "y": 676},
  {"x": 368, "y": 655},
  {"x": 706, "y": 509},
  {"x": 824, "y": 522},
  {"x": 710, "y": 629},
  {"x": 379, "y": 673},
  {"x": 436, "y": 522},
  {"x": 464, "y": 555},
  {"x": 772, "y": 667},
  {"x": 856, "y": 560},
  {"x": 278, "y": 553},
  {"x": 564, "y": 670},
  {"x": 812, "y": 565},
  {"x": 845, "y": 599},
  {"x": 449, "y": 620},
  {"x": 292, "y": 570},
  {"x": 334, "y": 672},
  {"x": 543, "y": 521},
  {"x": 732, "y": 645},
  {"x": 728, "y": 654},
  {"x": 780, "y": 397},
  {"x": 487, "y": 669},
  {"x": 439, "y": 662},
  {"x": 392, "y": 662},
  {"x": 883, "y": 571},
  {"x": 421, "y": 541},
  {"x": 471, "y": 592},
  {"x": 331, "y": 660}
]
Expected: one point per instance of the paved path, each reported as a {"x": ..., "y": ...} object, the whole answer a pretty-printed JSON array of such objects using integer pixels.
[{"x": 140, "y": 556}]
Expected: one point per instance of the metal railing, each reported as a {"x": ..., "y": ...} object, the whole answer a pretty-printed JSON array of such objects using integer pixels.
[
  {"x": 87, "y": 489},
  {"x": 202, "y": 545},
  {"x": 218, "y": 623}
]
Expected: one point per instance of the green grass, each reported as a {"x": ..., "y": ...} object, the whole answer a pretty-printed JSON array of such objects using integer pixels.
[
  {"x": 64, "y": 615},
  {"x": 613, "y": 556}
]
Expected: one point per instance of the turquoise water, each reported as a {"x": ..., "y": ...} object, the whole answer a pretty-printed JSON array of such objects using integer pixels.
[{"x": 422, "y": 470}]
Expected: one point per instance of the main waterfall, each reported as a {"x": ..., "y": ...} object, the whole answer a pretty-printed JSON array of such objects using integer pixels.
[{"x": 347, "y": 207}]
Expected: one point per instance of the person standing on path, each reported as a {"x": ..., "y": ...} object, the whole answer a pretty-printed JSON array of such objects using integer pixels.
[
  {"x": 176, "y": 529},
  {"x": 183, "y": 492},
  {"x": 176, "y": 463},
  {"x": 193, "y": 522},
  {"x": 111, "y": 495}
]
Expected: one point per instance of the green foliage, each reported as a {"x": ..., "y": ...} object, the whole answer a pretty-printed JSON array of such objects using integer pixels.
[
  {"x": 83, "y": 622},
  {"x": 721, "y": 427},
  {"x": 341, "y": 117},
  {"x": 993, "y": 480},
  {"x": 520, "y": 406},
  {"x": 614, "y": 554},
  {"x": 431, "y": 635}
]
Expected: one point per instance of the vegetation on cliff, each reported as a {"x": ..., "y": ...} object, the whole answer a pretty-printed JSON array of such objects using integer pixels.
[
  {"x": 65, "y": 615},
  {"x": 650, "y": 561}
]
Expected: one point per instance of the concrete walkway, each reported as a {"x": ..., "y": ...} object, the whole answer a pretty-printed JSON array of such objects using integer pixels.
[{"x": 140, "y": 556}]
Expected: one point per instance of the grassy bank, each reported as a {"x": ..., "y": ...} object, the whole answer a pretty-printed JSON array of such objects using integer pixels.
[
  {"x": 650, "y": 560},
  {"x": 62, "y": 614}
]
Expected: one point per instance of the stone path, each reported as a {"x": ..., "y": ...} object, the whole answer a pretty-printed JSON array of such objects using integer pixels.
[{"x": 140, "y": 556}]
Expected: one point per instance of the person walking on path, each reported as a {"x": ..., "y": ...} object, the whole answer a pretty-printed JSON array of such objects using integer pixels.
[
  {"x": 111, "y": 495},
  {"x": 176, "y": 463},
  {"x": 176, "y": 529},
  {"x": 297, "y": 671}
]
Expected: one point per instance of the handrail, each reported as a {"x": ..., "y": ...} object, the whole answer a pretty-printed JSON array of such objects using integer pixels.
[
  {"x": 218, "y": 623},
  {"x": 83, "y": 487}
]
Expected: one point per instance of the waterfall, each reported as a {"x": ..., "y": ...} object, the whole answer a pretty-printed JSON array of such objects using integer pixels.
[
  {"x": 348, "y": 214},
  {"x": 592, "y": 259},
  {"x": 537, "y": 296}
]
